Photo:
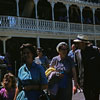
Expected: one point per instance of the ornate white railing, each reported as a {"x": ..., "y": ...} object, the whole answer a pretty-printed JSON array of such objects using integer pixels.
[
  {"x": 19, "y": 23},
  {"x": 84, "y": 2}
]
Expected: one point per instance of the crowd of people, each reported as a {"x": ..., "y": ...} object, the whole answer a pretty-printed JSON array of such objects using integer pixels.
[{"x": 38, "y": 76}]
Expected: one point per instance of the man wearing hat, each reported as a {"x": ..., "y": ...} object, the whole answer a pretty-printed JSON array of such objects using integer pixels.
[{"x": 88, "y": 65}]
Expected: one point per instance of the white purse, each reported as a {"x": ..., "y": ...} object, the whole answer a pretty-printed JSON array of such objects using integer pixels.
[{"x": 21, "y": 96}]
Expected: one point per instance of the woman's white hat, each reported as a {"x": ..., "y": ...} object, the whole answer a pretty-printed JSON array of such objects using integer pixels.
[{"x": 60, "y": 44}]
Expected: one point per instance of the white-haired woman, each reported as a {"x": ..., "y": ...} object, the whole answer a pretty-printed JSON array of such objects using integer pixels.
[{"x": 65, "y": 69}]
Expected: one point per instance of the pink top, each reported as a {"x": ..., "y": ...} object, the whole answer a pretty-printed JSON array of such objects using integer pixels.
[{"x": 7, "y": 96}]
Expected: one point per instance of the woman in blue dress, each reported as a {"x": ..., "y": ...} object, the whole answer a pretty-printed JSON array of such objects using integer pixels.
[
  {"x": 31, "y": 76},
  {"x": 41, "y": 58}
]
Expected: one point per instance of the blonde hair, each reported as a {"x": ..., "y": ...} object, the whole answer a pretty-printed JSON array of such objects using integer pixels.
[{"x": 12, "y": 77}]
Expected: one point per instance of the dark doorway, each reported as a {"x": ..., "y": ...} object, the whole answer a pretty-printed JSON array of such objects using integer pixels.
[
  {"x": 60, "y": 12},
  {"x": 13, "y": 46},
  {"x": 8, "y": 7},
  {"x": 49, "y": 46}
]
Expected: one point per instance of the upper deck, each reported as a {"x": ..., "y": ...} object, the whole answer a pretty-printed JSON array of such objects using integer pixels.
[
  {"x": 52, "y": 19},
  {"x": 18, "y": 26}
]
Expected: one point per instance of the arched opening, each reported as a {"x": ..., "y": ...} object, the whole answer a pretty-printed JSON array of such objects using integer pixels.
[
  {"x": 8, "y": 7},
  {"x": 60, "y": 12},
  {"x": 44, "y": 10},
  {"x": 87, "y": 15},
  {"x": 50, "y": 50},
  {"x": 12, "y": 48},
  {"x": 74, "y": 14},
  {"x": 97, "y": 16},
  {"x": 27, "y": 8}
]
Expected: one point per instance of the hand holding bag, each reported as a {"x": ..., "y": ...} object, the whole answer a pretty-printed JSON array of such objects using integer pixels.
[{"x": 44, "y": 96}]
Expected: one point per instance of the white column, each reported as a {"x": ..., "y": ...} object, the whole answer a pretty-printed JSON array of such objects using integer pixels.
[
  {"x": 53, "y": 11},
  {"x": 4, "y": 39},
  {"x": 4, "y": 46},
  {"x": 36, "y": 2},
  {"x": 94, "y": 25},
  {"x": 94, "y": 18},
  {"x": 95, "y": 41},
  {"x": 81, "y": 9},
  {"x": 53, "y": 18},
  {"x": 67, "y": 6},
  {"x": 17, "y": 4},
  {"x": 38, "y": 41},
  {"x": 69, "y": 41},
  {"x": 36, "y": 14}
]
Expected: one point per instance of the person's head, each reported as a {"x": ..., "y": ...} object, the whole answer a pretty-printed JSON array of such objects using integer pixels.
[
  {"x": 73, "y": 47},
  {"x": 81, "y": 41},
  {"x": 62, "y": 49},
  {"x": 28, "y": 53},
  {"x": 9, "y": 81},
  {"x": 39, "y": 51}
]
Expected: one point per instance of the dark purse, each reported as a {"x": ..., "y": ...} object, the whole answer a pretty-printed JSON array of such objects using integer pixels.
[{"x": 44, "y": 96}]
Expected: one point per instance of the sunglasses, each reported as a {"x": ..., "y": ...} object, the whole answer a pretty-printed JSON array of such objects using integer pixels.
[
  {"x": 39, "y": 51},
  {"x": 64, "y": 49}
]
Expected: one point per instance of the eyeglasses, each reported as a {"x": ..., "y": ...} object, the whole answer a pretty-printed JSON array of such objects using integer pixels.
[
  {"x": 39, "y": 51},
  {"x": 64, "y": 49}
]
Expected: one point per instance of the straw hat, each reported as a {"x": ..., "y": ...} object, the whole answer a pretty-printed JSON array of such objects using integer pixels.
[{"x": 81, "y": 38}]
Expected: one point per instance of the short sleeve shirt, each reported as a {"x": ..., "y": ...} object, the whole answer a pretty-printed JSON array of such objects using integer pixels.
[
  {"x": 42, "y": 61},
  {"x": 71, "y": 54},
  {"x": 34, "y": 76},
  {"x": 7, "y": 96},
  {"x": 64, "y": 65}
]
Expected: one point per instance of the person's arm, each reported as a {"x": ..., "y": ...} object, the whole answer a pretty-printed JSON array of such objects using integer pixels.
[
  {"x": 75, "y": 83},
  {"x": 75, "y": 77},
  {"x": 0, "y": 95},
  {"x": 43, "y": 79},
  {"x": 47, "y": 62},
  {"x": 47, "y": 66},
  {"x": 16, "y": 93},
  {"x": 18, "y": 88}
]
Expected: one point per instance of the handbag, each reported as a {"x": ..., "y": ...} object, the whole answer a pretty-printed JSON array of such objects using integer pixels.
[
  {"x": 44, "y": 96},
  {"x": 21, "y": 96}
]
